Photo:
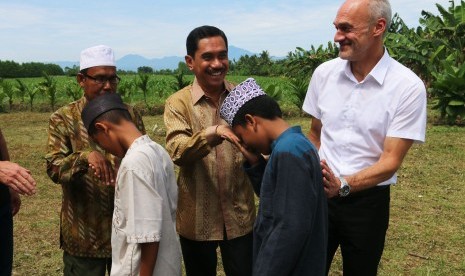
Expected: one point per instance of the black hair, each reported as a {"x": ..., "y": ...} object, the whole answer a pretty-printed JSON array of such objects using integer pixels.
[
  {"x": 262, "y": 106},
  {"x": 199, "y": 33},
  {"x": 113, "y": 116}
]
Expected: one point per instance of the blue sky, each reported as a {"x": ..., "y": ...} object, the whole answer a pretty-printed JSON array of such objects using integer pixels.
[{"x": 53, "y": 30}]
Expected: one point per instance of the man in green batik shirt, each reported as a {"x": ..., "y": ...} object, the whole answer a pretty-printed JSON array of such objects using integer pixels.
[{"x": 85, "y": 171}]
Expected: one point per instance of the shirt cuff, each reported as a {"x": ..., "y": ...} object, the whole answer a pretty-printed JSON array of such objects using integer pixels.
[
  {"x": 82, "y": 162},
  {"x": 210, "y": 135}
]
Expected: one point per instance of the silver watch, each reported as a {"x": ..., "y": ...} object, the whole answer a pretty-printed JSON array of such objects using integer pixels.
[{"x": 345, "y": 187}]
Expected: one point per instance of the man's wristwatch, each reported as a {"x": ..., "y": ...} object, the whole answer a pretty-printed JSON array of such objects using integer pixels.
[{"x": 345, "y": 187}]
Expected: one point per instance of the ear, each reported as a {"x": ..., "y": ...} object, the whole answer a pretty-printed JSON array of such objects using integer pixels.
[
  {"x": 250, "y": 121},
  {"x": 189, "y": 61},
  {"x": 80, "y": 79},
  {"x": 379, "y": 27},
  {"x": 102, "y": 127}
]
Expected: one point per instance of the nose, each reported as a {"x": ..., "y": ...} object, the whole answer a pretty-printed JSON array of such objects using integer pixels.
[
  {"x": 216, "y": 63},
  {"x": 107, "y": 85},
  {"x": 339, "y": 36}
]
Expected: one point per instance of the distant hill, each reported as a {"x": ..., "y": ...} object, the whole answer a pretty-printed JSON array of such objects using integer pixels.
[{"x": 132, "y": 61}]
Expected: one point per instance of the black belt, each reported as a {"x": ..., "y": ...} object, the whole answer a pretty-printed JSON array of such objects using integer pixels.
[{"x": 369, "y": 191}]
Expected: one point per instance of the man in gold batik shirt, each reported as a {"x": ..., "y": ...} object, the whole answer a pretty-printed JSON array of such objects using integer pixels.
[
  {"x": 85, "y": 171},
  {"x": 216, "y": 201}
]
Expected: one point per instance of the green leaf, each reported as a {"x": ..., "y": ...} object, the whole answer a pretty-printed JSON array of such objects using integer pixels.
[{"x": 457, "y": 103}]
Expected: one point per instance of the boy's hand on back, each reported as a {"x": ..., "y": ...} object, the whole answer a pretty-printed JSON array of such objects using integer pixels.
[{"x": 102, "y": 167}]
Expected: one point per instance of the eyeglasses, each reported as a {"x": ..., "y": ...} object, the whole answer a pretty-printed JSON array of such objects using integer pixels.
[{"x": 102, "y": 80}]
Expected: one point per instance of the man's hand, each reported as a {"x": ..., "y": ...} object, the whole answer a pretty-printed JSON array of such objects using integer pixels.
[
  {"x": 17, "y": 178},
  {"x": 331, "y": 183},
  {"x": 227, "y": 134},
  {"x": 102, "y": 167}
]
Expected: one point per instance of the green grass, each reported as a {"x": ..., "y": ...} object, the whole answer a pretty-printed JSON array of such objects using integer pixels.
[{"x": 426, "y": 235}]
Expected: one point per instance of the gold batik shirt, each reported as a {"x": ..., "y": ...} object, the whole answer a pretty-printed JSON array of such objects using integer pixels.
[
  {"x": 215, "y": 195},
  {"x": 87, "y": 202}
]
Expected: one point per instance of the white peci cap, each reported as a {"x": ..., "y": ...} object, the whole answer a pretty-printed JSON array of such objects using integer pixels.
[{"x": 100, "y": 55}]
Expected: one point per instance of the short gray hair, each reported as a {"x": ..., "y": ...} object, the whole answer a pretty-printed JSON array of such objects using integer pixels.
[{"x": 381, "y": 9}]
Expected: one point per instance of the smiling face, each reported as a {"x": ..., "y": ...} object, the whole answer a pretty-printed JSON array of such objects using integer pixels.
[
  {"x": 210, "y": 63},
  {"x": 354, "y": 30}
]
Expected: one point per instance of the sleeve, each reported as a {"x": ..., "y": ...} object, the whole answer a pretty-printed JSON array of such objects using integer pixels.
[
  {"x": 143, "y": 205},
  {"x": 62, "y": 163},
  {"x": 293, "y": 204},
  {"x": 255, "y": 174},
  {"x": 409, "y": 121},
  {"x": 183, "y": 145},
  {"x": 310, "y": 104}
]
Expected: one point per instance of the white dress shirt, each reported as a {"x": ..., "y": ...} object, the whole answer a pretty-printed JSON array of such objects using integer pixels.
[{"x": 357, "y": 116}]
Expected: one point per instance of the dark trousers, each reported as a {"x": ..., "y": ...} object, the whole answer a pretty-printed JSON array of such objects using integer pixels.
[
  {"x": 77, "y": 266},
  {"x": 6, "y": 233},
  {"x": 358, "y": 223},
  {"x": 200, "y": 256}
]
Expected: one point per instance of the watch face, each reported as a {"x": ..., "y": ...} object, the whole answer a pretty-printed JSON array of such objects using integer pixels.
[{"x": 344, "y": 191}]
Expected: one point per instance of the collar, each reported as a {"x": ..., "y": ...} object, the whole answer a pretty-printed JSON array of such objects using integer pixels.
[
  {"x": 144, "y": 139},
  {"x": 197, "y": 93},
  {"x": 81, "y": 103},
  {"x": 378, "y": 73},
  {"x": 293, "y": 129}
]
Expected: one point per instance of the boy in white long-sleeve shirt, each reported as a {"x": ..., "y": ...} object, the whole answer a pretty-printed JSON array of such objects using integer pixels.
[{"x": 144, "y": 239}]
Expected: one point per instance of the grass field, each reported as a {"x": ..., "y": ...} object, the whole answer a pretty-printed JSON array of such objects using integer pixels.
[{"x": 427, "y": 227}]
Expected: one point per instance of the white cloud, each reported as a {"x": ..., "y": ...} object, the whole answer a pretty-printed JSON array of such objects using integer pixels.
[
  {"x": 62, "y": 29},
  {"x": 17, "y": 16}
]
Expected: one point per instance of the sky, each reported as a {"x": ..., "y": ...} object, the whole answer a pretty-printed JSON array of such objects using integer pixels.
[{"x": 57, "y": 30}]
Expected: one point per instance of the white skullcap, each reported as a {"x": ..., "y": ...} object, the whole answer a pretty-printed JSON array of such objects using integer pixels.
[
  {"x": 100, "y": 55},
  {"x": 239, "y": 95}
]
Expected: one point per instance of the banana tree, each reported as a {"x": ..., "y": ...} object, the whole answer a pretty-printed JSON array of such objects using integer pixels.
[
  {"x": 303, "y": 62},
  {"x": 125, "y": 90},
  {"x": 26, "y": 90},
  {"x": 446, "y": 33},
  {"x": 49, "y": 87},
  {"x": 408, "y": 46},
  {"x": 143, "y": 82},
  {"x": 8, "y": 91},
  {"x": 449, "y": 87},
  {"x": 73, "y": 90}
]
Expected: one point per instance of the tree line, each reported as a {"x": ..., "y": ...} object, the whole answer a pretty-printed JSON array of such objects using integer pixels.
[{"x": 11, "y": 69}]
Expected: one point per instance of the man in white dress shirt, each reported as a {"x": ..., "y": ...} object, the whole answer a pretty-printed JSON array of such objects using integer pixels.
[{"x": 367, "y": 111}]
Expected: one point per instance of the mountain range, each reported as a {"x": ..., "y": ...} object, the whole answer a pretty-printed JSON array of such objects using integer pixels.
[{"x": 133, "y": 61}]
